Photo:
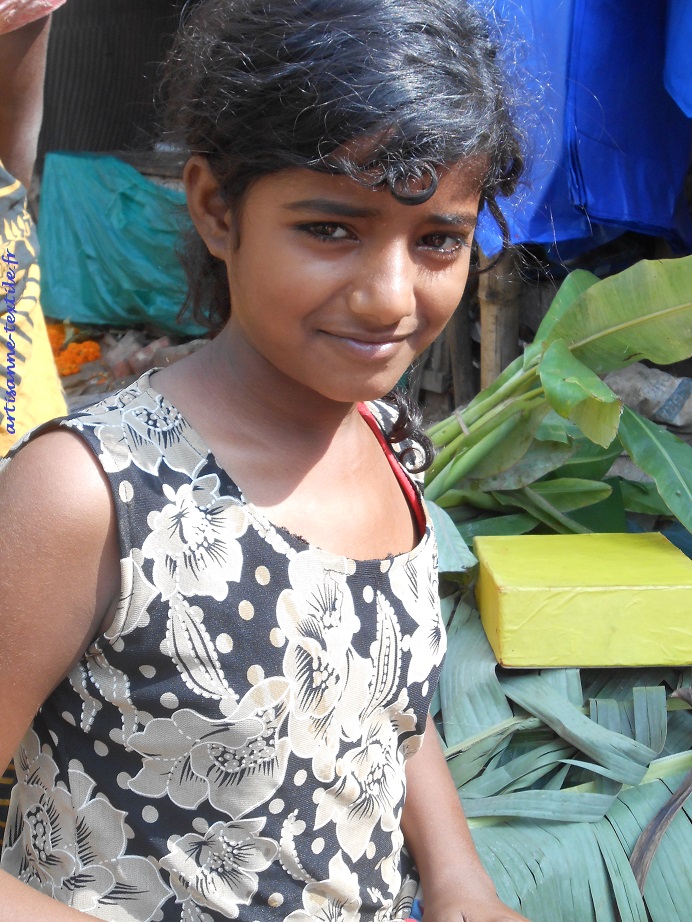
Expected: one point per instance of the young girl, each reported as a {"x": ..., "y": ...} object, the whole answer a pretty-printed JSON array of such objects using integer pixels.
[{"x": 219, "y": 585}]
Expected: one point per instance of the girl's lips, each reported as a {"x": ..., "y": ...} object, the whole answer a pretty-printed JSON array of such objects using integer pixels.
[{"x": 381, "y": 347}]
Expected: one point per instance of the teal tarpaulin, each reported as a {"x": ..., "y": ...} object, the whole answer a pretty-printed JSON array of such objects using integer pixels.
[{"x": 108, "y": 239}]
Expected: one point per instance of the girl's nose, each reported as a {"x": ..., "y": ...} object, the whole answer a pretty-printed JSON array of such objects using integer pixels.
[{"x": 385, "y": 291}]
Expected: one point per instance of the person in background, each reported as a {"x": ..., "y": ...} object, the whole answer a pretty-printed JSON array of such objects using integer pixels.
[{"x": 30, "y": 390}]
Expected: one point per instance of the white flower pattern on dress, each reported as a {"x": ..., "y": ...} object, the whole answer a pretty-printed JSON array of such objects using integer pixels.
[
  {"x": 142, "y": 429},
  {"x": 219, "y": 869},
  {"x": 193, "y": 651},
  {"x": 371, "y": 788},
  {"x": 242, "y": 728},
  {"x": 428, "y": 643},
  {"x": 329, "y": 679},
  {"x": 336, "y": 899},
  {"x": 136, "y": 594},
  {"x": 74, "y": 845},
  {"x": 236, "y": 764},
  {"x": 194, "y": 540}
]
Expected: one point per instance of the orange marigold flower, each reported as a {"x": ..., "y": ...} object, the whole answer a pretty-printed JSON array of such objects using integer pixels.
[
  {"x": 88, "y": 351},
  {"x": 56, "y": 336},
  {"x": 70, "y": 359}
]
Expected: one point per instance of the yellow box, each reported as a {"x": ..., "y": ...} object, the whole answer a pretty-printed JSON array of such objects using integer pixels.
[{"x": 585, "y": 600}]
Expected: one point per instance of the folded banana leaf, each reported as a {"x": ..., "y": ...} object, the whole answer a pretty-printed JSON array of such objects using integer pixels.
[{"x": 575, "y": 783}]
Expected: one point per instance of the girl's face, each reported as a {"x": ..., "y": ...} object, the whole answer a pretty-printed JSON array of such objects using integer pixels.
[{"x": 336, "y": 287}]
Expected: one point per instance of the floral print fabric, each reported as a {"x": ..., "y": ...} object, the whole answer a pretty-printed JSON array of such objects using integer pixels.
[{"x": 234, "y": 745}]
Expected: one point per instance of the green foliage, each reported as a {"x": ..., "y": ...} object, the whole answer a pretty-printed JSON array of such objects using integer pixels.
[
  {"x": 455, "y": 560},
  {"x": 577, "y": 393},
  {"x": 522, "y": 452},
  {"x": 665, "y": 458},
  {"x": 644, "y": 312},
  {"x": 560, "y": 772}
]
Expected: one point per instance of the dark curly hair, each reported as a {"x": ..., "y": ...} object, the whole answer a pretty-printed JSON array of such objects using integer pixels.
[{"x": 260, "y": 85}]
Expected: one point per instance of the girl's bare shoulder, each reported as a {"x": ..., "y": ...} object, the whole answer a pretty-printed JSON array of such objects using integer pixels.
[
  {"x": 55, "y": 487},
  {"x": 59, "y": 573}
]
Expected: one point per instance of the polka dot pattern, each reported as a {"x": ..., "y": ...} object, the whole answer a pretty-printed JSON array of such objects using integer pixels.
[
  {"x": 246, "y": 610},
  {"x": 255, "y": 699},
  {"x": 224, "y": 643}
]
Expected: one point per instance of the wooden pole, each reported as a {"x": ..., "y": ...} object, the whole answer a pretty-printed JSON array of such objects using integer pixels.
[
  {"x": 458, "y": 335},
  {"x": 499, "y": 290}
]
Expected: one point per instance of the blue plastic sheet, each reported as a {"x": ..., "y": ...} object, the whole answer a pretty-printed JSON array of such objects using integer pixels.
[
  {"x": 108, "y": 239},
  {"x": 609, "y": 149},
  {"x": 678, "y": 70}
]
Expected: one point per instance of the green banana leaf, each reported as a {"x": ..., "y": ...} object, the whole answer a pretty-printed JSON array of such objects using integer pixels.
[
  {"x": 589, "y": 461},
  {"x": 625, "y": 758},
  {"x": 559, "y": 792},
  {"x": 580, "y": 872},
  {"x": 472, "y": 699},
  {"x": 578, "y": 394},
  {"x": 541, "y": 458},
  {"x": 662, "y": 456},
  {"x": 568, "y": 493},
  {"x": 642, "y": 497},
  {"x": 541, "y": 509},
  {"x": 549, "y": 500},
  {"x": 592, "y": 327},
  {"x": 575, "y": 284},
  {"x": 512, "y": 449},
  {"x": 644, "y": 312},
  {"x": 503, "y": 378},
  {"x": 525, "y": 769},
  {"x": 555, "y": 428},
  {"x": 455, "y": 560},
  {"x": 481, "y": 499},
  {"x": 518, "y": 524}
]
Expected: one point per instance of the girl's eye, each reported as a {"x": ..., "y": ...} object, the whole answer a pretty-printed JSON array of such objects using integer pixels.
[
  {"x": 444, "y": 243},
  {"x": 326, "y": 231}
]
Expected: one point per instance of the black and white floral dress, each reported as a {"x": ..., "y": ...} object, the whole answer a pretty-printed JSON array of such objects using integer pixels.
[{"x": 234, "y": 745}]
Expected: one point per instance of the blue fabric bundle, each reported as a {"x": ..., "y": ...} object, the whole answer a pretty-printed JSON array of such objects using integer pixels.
[{"x": 612, "y": 147}]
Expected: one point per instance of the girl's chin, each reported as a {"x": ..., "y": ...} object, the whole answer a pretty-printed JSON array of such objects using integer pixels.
[{"x": 363, "y": 394}]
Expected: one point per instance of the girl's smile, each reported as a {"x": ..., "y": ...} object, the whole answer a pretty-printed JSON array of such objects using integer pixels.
[{"x": 336, "y": 288}]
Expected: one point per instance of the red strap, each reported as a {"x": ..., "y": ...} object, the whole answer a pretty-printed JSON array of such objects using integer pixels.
[{"x": 410, "y": 492}]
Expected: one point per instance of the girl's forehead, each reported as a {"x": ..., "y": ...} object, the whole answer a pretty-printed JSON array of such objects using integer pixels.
[{"x": 457, "y": 181}]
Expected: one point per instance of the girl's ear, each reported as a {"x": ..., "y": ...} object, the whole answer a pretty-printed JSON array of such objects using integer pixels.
[{"x": 210, "y": 214}]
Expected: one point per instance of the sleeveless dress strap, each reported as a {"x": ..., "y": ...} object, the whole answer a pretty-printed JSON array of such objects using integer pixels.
[{"x": 412, "y": 495}]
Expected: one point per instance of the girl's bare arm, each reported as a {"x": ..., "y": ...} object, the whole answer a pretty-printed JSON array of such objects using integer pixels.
[
  {"x": 456, "y": 886},
  {"x": 59, "y": 577}
]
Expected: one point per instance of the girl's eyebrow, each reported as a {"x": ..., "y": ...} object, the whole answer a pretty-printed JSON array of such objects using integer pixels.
[
  {"x": 464, "y": 219},
  {"x": 344, "y": 210},
  {"x": 329, "y": 207}
]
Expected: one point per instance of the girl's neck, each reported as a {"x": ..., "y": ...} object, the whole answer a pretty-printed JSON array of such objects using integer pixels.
[
  {"x": 286, "y": 448},
  {"x": 237, "y": 386}
]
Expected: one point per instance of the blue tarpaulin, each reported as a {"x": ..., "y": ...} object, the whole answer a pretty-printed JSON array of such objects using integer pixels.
[
  {"x": 609, "y": 147},
  {"x": 678, "y": 70}
]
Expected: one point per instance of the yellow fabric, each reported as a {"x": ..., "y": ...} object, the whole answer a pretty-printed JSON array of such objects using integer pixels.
[
  {"x": 25, "y": 354},
  {"x": 30, "y": 389}
]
